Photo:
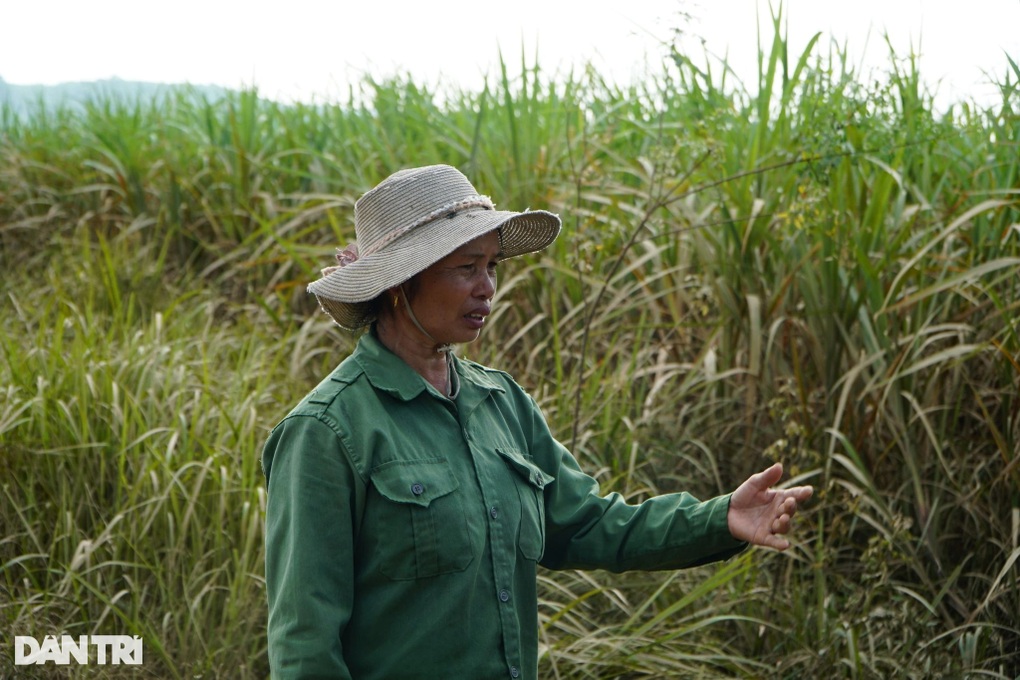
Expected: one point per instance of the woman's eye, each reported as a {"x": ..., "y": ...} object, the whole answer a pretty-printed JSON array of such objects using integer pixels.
[{"x": 472, "y": 267}]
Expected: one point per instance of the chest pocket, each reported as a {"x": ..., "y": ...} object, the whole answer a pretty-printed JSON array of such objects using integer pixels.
[
  {"x": 530, "y": 481},
  {"x": 422, "y": 527}
]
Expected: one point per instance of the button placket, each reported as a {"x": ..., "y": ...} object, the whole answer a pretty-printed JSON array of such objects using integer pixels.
[{"x": 501, "y": 529}]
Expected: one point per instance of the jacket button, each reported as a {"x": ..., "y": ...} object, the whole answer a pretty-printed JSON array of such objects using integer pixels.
[
  {"x": 493, "y": 512},
  {"x": 417, "y": 488},
  {"x": 504, "y": 595},
  {"x": 514, "y": 672}
]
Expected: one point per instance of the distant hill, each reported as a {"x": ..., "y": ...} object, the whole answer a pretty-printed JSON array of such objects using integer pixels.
[{"x": 23, "y": 99}]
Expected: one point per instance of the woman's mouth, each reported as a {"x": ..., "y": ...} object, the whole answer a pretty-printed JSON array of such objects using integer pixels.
[{"x": 476, "y": 319}]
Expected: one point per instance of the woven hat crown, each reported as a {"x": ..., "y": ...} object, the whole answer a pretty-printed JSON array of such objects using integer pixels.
[{"x": 408, "y": 199}]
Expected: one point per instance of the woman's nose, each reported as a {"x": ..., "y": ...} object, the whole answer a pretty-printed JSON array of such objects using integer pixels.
[{"x": 486, "y": 287}]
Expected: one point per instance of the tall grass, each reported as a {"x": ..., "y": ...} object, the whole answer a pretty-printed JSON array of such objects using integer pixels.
[{"x": 823, "y": 272}]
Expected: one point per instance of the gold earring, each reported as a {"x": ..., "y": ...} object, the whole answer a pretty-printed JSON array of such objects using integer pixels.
[{"x": 395, "y": 301}]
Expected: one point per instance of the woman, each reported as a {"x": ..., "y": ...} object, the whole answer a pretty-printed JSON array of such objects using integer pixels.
[{"x": 413, "y": 494}]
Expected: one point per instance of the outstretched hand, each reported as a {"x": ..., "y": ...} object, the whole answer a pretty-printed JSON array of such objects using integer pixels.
[{"x": 761, "y": 515}]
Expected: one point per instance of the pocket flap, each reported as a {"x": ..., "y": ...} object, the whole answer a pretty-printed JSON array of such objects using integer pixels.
[
  {"x": 416, "y": 482},
  {"x": 525, "y": 468}
]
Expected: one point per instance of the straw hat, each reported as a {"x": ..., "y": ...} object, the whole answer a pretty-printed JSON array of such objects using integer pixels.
[{"x": 411, "y": 220}]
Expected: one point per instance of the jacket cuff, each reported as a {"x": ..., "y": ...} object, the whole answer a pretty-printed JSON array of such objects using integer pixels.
[{"x": 720, "y": 542}]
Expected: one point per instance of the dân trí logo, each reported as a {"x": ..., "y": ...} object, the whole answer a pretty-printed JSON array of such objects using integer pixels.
[{"x": 84, "y": 650}]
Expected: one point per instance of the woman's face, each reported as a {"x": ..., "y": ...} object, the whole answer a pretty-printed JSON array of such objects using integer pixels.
[{"x": 452, "y": 298}]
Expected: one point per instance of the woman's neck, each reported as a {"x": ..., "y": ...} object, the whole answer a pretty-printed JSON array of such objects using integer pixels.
[{"x": 425, "y": 357}]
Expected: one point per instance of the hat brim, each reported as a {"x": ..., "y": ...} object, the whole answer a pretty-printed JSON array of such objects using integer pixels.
[{"x": 347, "y": 293}]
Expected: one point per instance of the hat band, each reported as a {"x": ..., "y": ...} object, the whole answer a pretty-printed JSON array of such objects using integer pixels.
[{"x": 449, "y": 210}]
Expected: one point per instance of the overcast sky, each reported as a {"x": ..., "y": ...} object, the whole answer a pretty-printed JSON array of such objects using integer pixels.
[{"x": 313, "y": 48}]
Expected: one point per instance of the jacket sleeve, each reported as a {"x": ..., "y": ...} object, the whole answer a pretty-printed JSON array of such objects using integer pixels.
[
  {"x": 586, "y": 530},
  {"x": 313, "y": 496}
]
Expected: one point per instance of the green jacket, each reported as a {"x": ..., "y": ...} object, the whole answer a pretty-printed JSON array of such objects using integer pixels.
[{"x": 403, "y": 529}]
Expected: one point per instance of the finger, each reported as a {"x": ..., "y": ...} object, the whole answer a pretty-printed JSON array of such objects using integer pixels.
[
  {"x": 796, "y": 495},
  {"x": 767, "y": 477},
  {"x": 781, "y": 524},
  {"x": 801, "y": 493},
  {"x": 786, "y": 507}
]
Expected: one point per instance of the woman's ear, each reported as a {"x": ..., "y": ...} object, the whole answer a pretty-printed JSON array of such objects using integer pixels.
[
  {"x": 387, "y": 301},
  {"x": 409, "y": 289}
]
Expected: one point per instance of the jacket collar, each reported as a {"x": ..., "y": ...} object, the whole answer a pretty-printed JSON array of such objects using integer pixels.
[{"x": 389, "y": 373}]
